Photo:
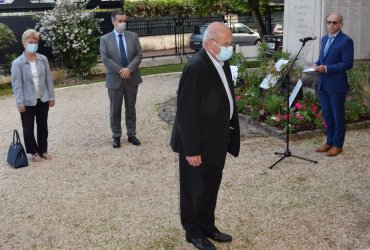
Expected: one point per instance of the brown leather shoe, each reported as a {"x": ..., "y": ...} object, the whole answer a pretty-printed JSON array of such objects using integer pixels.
[
  {"x": 323, "y": 148},
  {"x": 334, "y": 151}
]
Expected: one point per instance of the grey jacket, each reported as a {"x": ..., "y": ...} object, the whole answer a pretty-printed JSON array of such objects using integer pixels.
[
  {"x": 110, "y": 57},
  {"x": 22, "y": 82}
]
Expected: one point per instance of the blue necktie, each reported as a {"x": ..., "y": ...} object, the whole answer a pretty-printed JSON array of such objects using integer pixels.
[
  {"x": 122, "y": 51},
  {"x": 328, "y": 43}
]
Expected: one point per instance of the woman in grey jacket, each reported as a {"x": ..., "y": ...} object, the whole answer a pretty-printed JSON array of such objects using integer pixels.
[{"x": 34, "y": 93}]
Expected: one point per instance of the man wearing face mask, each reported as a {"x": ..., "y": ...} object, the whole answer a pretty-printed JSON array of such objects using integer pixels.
[
  {"x": 121, "y": 54},
  {"x": 33, "y": 89},
  {"x": 206, "y": 127}
]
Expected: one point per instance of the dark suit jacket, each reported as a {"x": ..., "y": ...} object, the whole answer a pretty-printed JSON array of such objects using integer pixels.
[
  {"x": 202, "y": 123},
  {"x": 111, "y": 59},
  {"x": 338, "y": 59}
]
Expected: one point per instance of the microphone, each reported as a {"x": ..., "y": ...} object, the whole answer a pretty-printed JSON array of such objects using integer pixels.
[{"x": 303, "y": 40}]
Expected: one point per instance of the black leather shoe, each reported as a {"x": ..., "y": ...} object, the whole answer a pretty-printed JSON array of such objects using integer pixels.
[
  {"x": 220, "y": 237},
  {"x": 201, "y": 243},
  {"x": 134, "y": 140},
  {"x": 116, "y": 142}
]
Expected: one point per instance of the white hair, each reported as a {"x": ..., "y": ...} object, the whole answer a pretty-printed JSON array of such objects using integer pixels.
[{"x": 210, "y": 33}]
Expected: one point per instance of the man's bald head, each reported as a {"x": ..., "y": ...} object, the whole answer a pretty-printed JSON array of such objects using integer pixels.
[
  {"x": 217, "y": 35},
  {"x": 214, "y": 30}
]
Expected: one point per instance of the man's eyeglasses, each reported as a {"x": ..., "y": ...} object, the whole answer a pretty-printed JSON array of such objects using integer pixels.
[
  {"x": 225, "y": 44},
  {"x": 332, "y": 22}
]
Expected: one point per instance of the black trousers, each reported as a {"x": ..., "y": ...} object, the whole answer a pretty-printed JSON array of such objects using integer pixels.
[
  {"x": 198, "y": 197},
  {"x": 40, "y": 112}
]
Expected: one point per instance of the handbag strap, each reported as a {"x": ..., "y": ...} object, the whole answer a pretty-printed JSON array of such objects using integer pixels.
[{"x": 16, "y": 138}]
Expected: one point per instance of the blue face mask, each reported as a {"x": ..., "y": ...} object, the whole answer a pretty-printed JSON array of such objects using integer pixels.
[
  {"x": 225, "y": 53},
  {"x": 31, "y": 47}
]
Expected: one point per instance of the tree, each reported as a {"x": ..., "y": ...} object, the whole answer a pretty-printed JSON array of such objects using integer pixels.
[
  {"x": 257, "y": 18},
  {"x": 245, "y": 6}
]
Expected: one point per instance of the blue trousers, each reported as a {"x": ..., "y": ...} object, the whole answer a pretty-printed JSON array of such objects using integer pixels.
[{"x": 333, "y": 108}]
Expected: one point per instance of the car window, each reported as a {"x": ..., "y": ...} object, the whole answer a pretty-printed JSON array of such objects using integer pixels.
[
  {"x": 203, "y": 29},
  {"x": 242, "y": 29}
]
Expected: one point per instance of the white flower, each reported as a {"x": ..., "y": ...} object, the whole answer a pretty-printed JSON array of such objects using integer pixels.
[{"x": 68, "y": 29}]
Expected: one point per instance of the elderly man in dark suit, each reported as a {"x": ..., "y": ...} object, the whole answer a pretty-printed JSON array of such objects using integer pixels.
[
  {"x": 336, "y": 57},
  {"x": 206, "y": 127},
  {"x": 121, "y": 55}
]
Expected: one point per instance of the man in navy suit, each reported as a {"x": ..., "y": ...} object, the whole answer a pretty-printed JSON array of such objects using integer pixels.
[
  {"x": 121, "y": 54},
  {"x": 206, "y": 127},
  {"x": 336, "y": 57}
]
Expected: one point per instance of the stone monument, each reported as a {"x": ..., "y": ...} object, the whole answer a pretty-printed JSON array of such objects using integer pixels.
[{"x": 307, "y": 18}]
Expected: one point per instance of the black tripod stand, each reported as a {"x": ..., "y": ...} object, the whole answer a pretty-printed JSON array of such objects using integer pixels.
[{"x": 287, "y": 152}]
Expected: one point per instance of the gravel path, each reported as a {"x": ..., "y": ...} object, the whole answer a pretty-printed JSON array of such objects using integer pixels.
[{"x": 91, "y": 196}]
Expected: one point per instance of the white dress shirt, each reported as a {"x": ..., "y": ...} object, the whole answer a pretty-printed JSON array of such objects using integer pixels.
[
  {"x": 117, "y": 39},
  {"x": 221, "y": 72},
  {"x": 35, "y": 78}
]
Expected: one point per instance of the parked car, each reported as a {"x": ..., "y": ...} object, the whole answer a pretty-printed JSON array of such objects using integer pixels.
[
  {"x": 278, "y": 29},
  {"x": 275, "y": 40},
  {"x": 242, "y": 35}
]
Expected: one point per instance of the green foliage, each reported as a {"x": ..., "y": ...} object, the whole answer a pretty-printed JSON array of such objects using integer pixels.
[
  {"x": 181, "y": 8},
  {"x": 359, "y": 81},
  {"x": 305, "y": 114},
  {"x": 7, "y": 39},
  {"x": 358, "y": 100},
  {"x": 71, "y": 32},
  {"x": 272, "y": 103},
  {"x": 162, "y": 69},
  {"x": 262, "y": 55},
  {"x": 248, "y": 96},
  {"x": 159, "y": 8},
  {"x": 353, "y": 110},
  {"x": 270, "y": 106},
  {"x": 210, "y": 7}
]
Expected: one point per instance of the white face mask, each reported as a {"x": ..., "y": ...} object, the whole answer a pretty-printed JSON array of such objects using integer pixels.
[
  {"x": 120, "y": 27},
  {"x": 31, "y": 47}
]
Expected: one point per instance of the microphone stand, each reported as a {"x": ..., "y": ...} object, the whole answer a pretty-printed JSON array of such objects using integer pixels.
[{"x": 287, "y": 152}]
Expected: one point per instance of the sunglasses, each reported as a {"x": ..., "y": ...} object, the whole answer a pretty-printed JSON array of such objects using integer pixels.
[{"x": 332, "y": 22}]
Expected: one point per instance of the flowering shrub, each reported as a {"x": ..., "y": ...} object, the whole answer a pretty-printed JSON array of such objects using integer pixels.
[
  {"x": 269, "y": 106},
  {"x": 71, "y": 32},
  {"x": 304, "y": 115}
]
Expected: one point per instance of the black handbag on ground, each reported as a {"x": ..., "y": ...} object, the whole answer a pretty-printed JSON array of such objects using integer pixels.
[{"x": 17, "y": 157}]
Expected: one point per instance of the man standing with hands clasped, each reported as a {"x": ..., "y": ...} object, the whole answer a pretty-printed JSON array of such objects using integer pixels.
[
  {"x": 121, "y": 55},
  {"x": 336, "y": 57},
  {"x": 206, "y": 127}
]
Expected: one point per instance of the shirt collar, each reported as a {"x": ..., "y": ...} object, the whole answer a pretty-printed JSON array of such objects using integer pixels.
[
  {"x": 334, "y": 34},
  {"x": 25, "y": 60},
  {"x": 117, "y": 33},
  {"x": 215, "y": 62}
]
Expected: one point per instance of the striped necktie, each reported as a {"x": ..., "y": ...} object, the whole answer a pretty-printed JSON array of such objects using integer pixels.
[{"x": 328, "y": 43}]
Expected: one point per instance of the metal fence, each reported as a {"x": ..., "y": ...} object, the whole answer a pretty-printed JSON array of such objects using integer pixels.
[
  {"x": 159, "y": 36},
  {"x": 167, "y": 36}
]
